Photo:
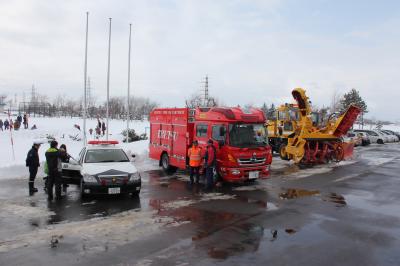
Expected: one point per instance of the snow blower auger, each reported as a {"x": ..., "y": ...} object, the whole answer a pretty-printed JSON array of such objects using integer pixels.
[{"x": 310, "y": 144}]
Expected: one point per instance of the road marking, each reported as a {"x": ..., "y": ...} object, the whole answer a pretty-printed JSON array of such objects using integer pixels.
[{"x": 346, "y": 177}]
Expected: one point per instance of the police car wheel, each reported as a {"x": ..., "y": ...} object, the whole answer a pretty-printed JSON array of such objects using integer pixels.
[{"x": 83, "y": 195}]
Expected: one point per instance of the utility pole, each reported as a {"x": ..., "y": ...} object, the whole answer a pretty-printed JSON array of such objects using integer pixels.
[
  {"x": 108, "y": 78},
  {"x": 33, "y": 99},
  {"x": 129, "y": 84},
  {"x": 206, "y": 96},
  {"x": 33, "y": 94},
  {"x": 88, "y": 93},
  {"x": 206, "y": 91},
  {"x": 85, "y": 81}
]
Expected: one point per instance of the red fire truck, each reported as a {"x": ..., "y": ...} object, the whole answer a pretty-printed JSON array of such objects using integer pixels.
[{"x": 239, "y": 135}]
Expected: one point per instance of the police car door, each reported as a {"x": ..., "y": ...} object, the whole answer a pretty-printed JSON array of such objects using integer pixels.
[{"x": 73, "y": 167}]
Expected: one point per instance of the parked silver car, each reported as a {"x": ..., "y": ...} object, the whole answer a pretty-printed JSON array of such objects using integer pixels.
[
  {"x": 392, "y": 134},
  {"x": 374, "y": 136},
  {"x": 391, "y": 138}
]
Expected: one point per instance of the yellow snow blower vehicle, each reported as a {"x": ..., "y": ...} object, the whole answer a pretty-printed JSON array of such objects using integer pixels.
[{"x": 304, "y": 140}]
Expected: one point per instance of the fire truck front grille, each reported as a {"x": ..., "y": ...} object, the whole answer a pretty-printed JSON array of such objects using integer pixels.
[{"x": 251, "y": 161}]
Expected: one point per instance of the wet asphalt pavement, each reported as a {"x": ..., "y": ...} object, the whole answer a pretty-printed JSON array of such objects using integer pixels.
[{"x": 341, "y": 214}]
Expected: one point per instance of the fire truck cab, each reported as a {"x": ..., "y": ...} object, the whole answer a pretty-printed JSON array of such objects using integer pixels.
[{"x": 240, "y": 138}]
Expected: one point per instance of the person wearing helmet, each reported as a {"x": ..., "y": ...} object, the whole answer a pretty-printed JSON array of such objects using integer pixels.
[
  {"x": 32, "y": 161},
  {"x": 54, "y": 157},
  {"x": 194, "y": 154}
]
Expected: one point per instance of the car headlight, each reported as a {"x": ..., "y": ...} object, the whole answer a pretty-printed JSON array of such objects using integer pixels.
[
  {"x": 89, "y": 178},
  {"x": 134, "y": 177}
]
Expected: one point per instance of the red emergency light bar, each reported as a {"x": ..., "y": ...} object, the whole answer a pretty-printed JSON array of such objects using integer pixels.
[{"x": 102, "y": 142}]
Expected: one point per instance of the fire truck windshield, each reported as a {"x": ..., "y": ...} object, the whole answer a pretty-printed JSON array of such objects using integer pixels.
[{"x": 247, "y": 135}]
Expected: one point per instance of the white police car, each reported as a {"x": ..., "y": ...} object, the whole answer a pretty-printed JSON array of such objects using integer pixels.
[{"x": 103, "y": 168}]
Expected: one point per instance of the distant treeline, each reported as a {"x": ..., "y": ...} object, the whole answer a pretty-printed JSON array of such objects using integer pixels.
[{"x": 140, "y": 107}]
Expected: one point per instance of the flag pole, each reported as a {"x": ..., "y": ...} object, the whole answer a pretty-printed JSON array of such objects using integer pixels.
[
  {"x": 108, "y": 78},
  {"x": 85, "y": 82},
  {"x": 129, "y": 83}
]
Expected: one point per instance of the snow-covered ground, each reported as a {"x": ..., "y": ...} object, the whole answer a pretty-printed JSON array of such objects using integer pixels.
[{"x": 62, "y": 128}]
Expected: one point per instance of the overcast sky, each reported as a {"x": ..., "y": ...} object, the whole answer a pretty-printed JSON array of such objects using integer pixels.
[{"x": 253, "y": 51}]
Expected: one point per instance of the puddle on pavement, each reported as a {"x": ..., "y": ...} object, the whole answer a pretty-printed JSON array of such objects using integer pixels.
[
  {"x": 244, "y": 237},
  {"x": 76, "y": 209},
  {"x": 218, "y": 253},
  {"x": 287, "y": 170},
  {"x": 293, "y": 193},
  {"x": 290, "y": 231},
  {"x": 339, "y": 200}
]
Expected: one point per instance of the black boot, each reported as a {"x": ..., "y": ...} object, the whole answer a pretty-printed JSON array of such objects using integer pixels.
[{"x": 31, "y": 188}]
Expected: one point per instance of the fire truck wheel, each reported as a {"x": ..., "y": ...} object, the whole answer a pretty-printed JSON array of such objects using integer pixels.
[
  {"x": 165, "y": 164},
  {"x": 282, "y": 152}
]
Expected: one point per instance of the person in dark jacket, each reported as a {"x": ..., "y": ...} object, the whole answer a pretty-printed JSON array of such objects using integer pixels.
[
  {"x": 210, "y": 159},
  {"x": 6, "y": 124},
  {"x": 103, "y": 128},
  {"x": 54, "y": 157},
  {"x": 25, "y": 121},
  {"x": 32, "y": 161},
  {"x": 1, "y": 125}
]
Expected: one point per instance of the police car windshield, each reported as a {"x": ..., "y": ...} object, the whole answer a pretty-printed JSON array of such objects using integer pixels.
[
  {"x": 106, "y": 156},
  {"x": 247, "y": 135}
]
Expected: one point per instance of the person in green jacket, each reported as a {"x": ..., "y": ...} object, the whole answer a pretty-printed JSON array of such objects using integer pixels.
[{"x": 54, "y": 156}]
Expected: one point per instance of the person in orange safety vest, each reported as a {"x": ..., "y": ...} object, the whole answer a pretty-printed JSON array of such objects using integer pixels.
[{"x": 195, "y": 157}]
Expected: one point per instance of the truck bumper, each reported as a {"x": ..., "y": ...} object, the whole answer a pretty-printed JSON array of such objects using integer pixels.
[
  {"x": 240, "y": 174},
  {"x": 98, "y": 189}
]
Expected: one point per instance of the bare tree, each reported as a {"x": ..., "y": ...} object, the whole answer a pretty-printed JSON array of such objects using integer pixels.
[{"x": 335, "y": 101}]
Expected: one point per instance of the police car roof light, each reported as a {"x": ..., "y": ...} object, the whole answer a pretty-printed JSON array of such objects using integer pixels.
[{"x": 102, "y": 142}]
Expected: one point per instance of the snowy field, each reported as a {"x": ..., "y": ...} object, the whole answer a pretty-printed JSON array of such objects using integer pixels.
[{"x": 62, "y": 128}]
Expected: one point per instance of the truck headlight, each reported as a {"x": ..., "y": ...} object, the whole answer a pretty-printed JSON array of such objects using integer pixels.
[
  {"x": 134, "y": 177},
  {"x": 235, "y": 172},
  {"x": 89, "y": 178}
]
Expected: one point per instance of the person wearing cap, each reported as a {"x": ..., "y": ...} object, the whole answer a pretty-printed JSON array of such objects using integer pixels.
[
  {"x": 32, "y": 161},
  {"x": 210, "y": 162},
  {"x": 194, "y": 154},
  {"x": 54, "y": 157}
]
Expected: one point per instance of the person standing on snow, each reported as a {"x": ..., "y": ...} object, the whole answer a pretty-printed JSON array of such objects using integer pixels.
[
  {"x": 194, "y": 154},
  {"x": 6, "y": 124},
  {"x": 32, "y": 161},
  {"x": 54, "y": 156},
  {"x": 103, "y": 127},
  {"x": 210, "y": 159},
  {"x": 25, "y": 121},
  {"x": 1, "y": 125}
]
